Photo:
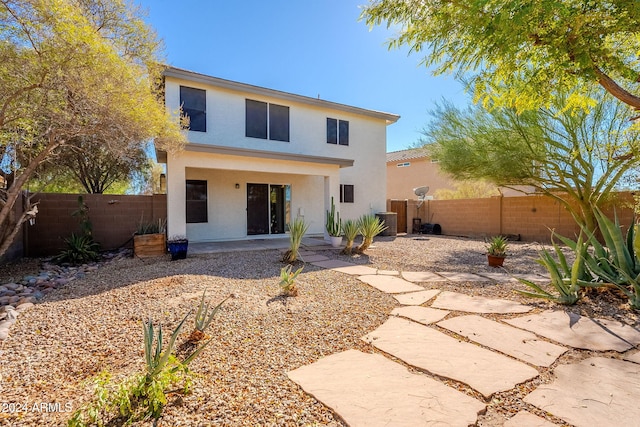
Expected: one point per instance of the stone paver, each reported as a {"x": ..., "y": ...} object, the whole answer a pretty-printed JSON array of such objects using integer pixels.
[
  {"x": 527, "y": 419},
  {"x": 422, "y": 315},
  {"x": 506, "y": 339},
  {"x": 635, "y": 357},
  {"x": 423, "y": 347},
  {"x": 595, "y": 392},
  {"x": 422, "y": 276},
  {"x": 390, "y": 284},
  {"x": 371, "y": 390},
  {"x": 388, "y": 272},
  {"x": 314, "y": 258},
  {"x": 462, "y": 277},
  {"x": 535, "y": 278},
  {"x": 332, "y": 263},
  {"x": 580, "y": 332},
  {"x": 357, "y": 270},
  {"x": 498, "y": 277},
  {"x": 461, "y": 302},
  {"x": 416, "y": 298}
]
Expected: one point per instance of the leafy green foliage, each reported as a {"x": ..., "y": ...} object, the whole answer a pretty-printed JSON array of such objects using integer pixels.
[
  {"x": 370, "y": 226},
  {"x": 141, "y": 396},
  {"x": 497, "y": 246},
  {"x": 574, "y": 157},
  {"x": 351, "y": 229},
  {"x": 521, "y": 52},
  {"x": 80, "y": 249},
  {"x": 288, "y": 280},
  {"x": 297, "y": 229},
  {"x": 334, "y": 223}
]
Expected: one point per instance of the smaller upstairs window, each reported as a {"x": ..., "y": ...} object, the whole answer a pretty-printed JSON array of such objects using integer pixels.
[
  {"x": 194, "y": 106},
  {"x": 403, "y": 165},
  {"x": 337, "y": 131}
]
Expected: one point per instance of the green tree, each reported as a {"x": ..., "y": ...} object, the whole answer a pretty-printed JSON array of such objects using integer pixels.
[
  {"x": 73, "y": 70},
  {"x": 467, "y": 190},
  {"x": 575, "y": 157},
  {"x": 521, "y": 52}
]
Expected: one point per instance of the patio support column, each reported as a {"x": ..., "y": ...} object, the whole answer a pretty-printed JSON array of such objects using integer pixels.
[
  {"x": 176, "y": 197},
  {"x": 331, "y": 189}
]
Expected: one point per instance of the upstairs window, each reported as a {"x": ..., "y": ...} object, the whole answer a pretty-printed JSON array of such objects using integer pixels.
[
  {"x": 196, "y": 201},
  {"x": 346, "y": 193},
  {"x": 337, "y": 131},
  {"x": 194, "y": 106},
  {"x": 267, "y": 121}
]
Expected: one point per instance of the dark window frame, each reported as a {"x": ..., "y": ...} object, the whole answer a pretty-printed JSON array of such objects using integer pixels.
[
  {"x": 337, "y": 131},
  {"x": 264, "y": 120},
  {"x": 347, "y": 193},
  {"x": 194, "y": 107},
  {"x": 196, "y": 209}
]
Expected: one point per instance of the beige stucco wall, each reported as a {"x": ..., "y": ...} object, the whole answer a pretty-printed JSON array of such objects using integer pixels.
[
  {"x": 402, "y": 180},
  {"x": 312, "y": 184}
]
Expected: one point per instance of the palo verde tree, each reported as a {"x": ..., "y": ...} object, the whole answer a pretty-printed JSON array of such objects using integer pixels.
[
  {"x": 522, "y": 52},
  {"x": 574, "y": 156},
  {"x": 73, "y": 70}
]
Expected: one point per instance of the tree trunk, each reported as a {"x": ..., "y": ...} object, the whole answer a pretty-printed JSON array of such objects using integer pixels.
[{"x": 616, "y": 90}]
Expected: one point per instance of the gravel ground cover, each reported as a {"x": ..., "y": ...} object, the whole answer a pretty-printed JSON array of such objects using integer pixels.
[{"x": 58, "y": 347}]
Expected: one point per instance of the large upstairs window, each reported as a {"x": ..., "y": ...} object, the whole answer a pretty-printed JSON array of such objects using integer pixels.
[
  {"x": 267, "y": 121},
  {"x": 194, "y": 106},
  {"x": 337, "y": 131}
]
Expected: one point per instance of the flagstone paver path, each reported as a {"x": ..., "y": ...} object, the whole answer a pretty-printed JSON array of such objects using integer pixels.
[{"x": 371, "y": 390}]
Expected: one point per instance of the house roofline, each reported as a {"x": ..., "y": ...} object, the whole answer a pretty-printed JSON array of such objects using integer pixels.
[
  {"x": 180, "y": 73},
  {"x": 245, "y": 152}
]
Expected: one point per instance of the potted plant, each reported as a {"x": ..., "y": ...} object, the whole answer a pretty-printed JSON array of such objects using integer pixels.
[
  {"x": 178, "y": 246},
  {"x": 334, "y": 226},
  {"x": 150, "y": 239},
  {"x": 497, "y": 251}
]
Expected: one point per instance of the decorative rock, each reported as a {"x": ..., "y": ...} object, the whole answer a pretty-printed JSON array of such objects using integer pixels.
[
  {"x": 12, "y": 315},
  {"x": 14, "y": 299},
  {"x": 440, "y": 354},
  {"x": 580, "y": 332},
  {"x": 506, "y": 339},
  {"x": 462, "y": 277},
  {"x": 4, "y": 333},
  {"x": 4, "y": 300},
  {"x": 461, "y": 302},
  {"x": 595, "y": 392},
  {"x": 12, "y": 286},
  {"x": 370, "y": 390},
  {"x": 24, "y": 306}
]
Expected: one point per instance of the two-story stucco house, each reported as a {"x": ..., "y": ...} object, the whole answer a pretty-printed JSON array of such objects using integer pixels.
[{"x": 256, "y": 158}]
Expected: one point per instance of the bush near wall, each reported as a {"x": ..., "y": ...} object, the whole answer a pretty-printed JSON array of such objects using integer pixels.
[
  {"x": 529, "y": 216},
  {"x": 114, "y": 219}
]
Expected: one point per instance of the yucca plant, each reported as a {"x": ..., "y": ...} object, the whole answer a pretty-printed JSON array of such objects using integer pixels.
[
  {"x": 567, "y": 281},
  {"x": 370, "y": 226},
  {"x": 287, "y": 280},
  {"x": 204, "y": 317},
  {"x": 80, "y": 249},
  {"x": 351, "y": 229},
  {"x": 297, "y": 229}
]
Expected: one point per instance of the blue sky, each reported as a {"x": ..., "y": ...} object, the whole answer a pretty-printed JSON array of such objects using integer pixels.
[{"x": 307, "y": 47}]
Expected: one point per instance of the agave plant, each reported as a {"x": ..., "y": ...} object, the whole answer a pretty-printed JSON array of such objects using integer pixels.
[
  {"x": 204, "y": 317},
  {"x": 297, "y": 229},
  {"x": 287, "y": 280},
  {"x": 351, "y": 229},
  {"x": 370, "y": 226}
]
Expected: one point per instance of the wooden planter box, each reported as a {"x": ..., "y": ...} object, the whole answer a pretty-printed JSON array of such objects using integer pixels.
[{"x": 149, "y": 245}]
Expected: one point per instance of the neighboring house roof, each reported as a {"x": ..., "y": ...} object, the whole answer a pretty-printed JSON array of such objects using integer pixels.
[
  {"x": 413, "y": 153},
  {"x": 180, "y": 73}
]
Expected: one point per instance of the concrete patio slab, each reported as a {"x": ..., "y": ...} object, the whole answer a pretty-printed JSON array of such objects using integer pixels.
[
  {"x": 527, "y": 419},
  {"x": 390, "y": 284},
  {"x": 515, "y": 342},
  {"x": 461, "y": 302},
  {"x": 422, "y": 276},
  {"x": 595, "y": 392},
  {"x": 580, "y": 332},
  {"x": 462, "y": 277},
  {"x": 425, "y": 348},
  {"x": 635, "y": 357},
  {"x": 332, "y": 263},
  {"x": 422, "y": 315},
  {"x": 371, "y": 390},
  {"x": 356, "y": 270},
  {"x": 416, "y": 298},
  {"x": 314, "y": 258},
  {"x": 498, "y": 277}
]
